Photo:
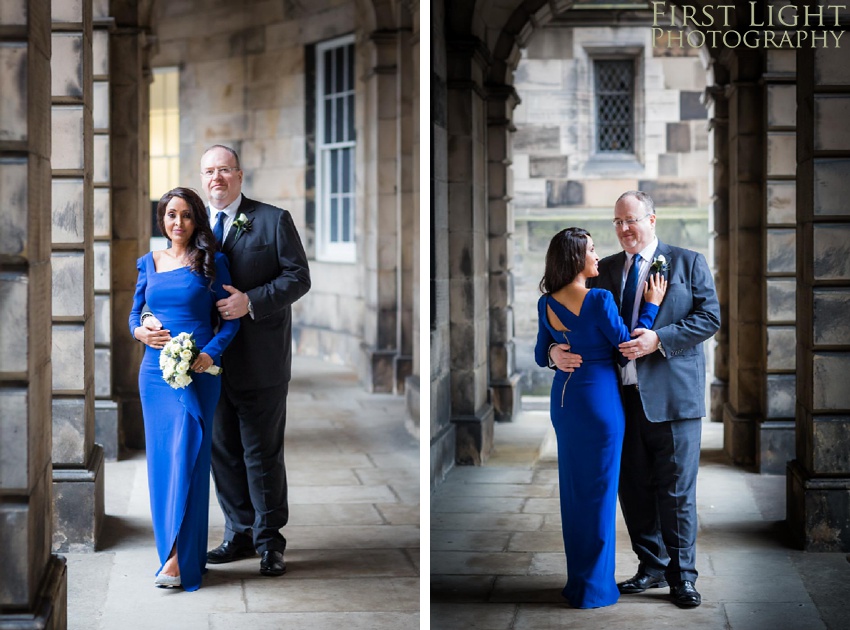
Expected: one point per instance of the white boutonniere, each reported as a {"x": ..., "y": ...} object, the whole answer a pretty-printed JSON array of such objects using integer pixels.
[
  {"x": 242, "y": 224},
  {"x": 659, "y": 264}
]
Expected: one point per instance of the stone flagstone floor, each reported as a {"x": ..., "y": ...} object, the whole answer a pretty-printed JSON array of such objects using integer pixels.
[
  {"x": 353, "y": 536},
  {"x": 497, "y": 559}
]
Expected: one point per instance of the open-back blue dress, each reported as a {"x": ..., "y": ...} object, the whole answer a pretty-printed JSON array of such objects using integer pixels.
[
  {"x": 178, "y": 422},
  {"x": 587, "y": 413}
]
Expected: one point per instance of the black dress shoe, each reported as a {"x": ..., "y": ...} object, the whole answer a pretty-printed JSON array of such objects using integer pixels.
[
  {"x": 685, "y": 595},
  {"x": 640, "y": 582},
  {"x": 228, "y": 552},
  {"x": 271, "y": 563}
]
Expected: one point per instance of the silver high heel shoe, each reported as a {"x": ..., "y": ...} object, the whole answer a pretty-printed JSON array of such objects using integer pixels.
[{"x": 167, "y": 581}]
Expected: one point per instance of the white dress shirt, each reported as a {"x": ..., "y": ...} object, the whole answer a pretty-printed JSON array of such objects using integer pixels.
[
  {"x": 629, "y": 372},
  {"x": 227, "y": 213}
]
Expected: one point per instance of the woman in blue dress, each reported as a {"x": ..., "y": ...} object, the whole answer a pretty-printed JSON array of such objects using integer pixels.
[
  {"x": 181, "y": 284},
  {"x": 586, "y": 408}
]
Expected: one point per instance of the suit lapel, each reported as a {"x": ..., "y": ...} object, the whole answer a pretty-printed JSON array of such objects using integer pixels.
[
  {"x": 246, "y": 207},
  {"x": 615, "y": 277}
]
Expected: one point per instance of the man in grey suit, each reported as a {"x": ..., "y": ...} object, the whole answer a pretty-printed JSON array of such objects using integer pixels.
[
  {"x": 663, "y": 388},
  {"x": 269, "y": 267}
]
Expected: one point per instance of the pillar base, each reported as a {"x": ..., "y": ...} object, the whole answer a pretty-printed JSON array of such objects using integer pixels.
[
  {"x": 817, "y": 510},
  {"x": 739, "y": 437},
  {"x": 377, "y": 370},
  {"x": 443, "y": 449},
  {"x": 402, "y": 368},
  {"x": 506, "y": 396},
  {"x": 474, "y": 437},
  {"x": 78, "y": 505},
  {"x": 718, "y": 397},
  {"x": 50, "y": 609},
  {"x": 106, "y": 428},
  {"x": 776, "y": 446},
  {"x": 411, "y": 398}
]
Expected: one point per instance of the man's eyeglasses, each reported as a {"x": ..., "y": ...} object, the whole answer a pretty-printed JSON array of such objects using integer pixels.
[
  {"x": 618, "y": 223},
  {"x": 225, "y": 170}
]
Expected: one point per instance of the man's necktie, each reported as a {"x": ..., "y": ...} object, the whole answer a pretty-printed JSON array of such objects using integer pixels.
[
  {"x": 627, "y": 305},
  {"x": 218, "y": 230}
]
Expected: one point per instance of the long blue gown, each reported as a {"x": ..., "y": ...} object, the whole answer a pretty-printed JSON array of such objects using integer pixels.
[
  {"x": 587, "y": 413},
  {"x": 178, "y": 422}
]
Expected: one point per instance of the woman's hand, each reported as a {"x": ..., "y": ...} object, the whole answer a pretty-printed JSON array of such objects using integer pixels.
[
  {"x": 202, "y": 363},
  {"x": 655, "y": 288},
  {"x": 156, "y": 339}
]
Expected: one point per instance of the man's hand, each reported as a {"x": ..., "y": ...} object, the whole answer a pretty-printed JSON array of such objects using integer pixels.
[
  {"x": 151, "y": 333},
  {"x": 203, "y": 362},
  {"x": 563, "y": 359},
  {"x": 152, "y": 323},
  {"x": 235, "y": 306},
  {"x": 645, "y": 342}
]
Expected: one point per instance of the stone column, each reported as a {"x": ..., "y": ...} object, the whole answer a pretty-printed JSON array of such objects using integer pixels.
[
  {"x": 442, "y": 444},
  {"x": 718, "y": 147},
  {"x": 411, "y": 385},
  {"x": 404, "y": 204},
  {"x": 504, "y": 378},
  {"x": 472, "y": 412},
  {"x": 818, "y": 481},
  {"x": 105, "y": 408},
  {"x": 77, "y": 460},
  {"x": 746, "y": 348},
  {"x": 33, "y": 583},
  {"x": 130, "y": 207},
  {"x": 381, "y": 236},
  {"x": 775, "y": 435}
]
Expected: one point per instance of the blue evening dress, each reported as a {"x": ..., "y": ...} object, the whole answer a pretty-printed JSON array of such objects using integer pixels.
[
  {"x": 587, "y": 413},
  {"x": 178, "y": 422}
]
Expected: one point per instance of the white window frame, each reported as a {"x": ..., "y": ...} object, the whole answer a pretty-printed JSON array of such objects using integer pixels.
[{"x": 327, "y": 250}]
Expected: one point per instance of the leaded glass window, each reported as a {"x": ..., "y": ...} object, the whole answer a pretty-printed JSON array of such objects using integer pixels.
[{"x": 615, "y": 80}]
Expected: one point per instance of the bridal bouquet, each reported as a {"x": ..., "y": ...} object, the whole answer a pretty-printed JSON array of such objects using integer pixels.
[{"x": 177, "y": 356}]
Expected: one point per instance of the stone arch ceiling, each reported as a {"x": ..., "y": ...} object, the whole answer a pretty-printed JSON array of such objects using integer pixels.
[{"x": 505, "y": 26}]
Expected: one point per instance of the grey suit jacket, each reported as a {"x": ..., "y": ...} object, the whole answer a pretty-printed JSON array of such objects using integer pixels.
[
  {"x": 672, "y": 385},
  {"x": 268, "y": 263}
]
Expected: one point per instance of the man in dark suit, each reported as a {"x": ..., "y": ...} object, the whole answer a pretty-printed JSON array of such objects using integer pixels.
[
  {"x": 269, "y": 267},
  {"x": 663, "y": 388}
]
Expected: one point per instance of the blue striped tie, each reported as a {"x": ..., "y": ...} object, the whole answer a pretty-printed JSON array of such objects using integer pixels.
[
  {"x": 627, "y": 305},
  {"x": 218, "y": 230}
]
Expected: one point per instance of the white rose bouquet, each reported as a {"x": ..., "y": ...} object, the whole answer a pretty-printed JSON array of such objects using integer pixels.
[{"x": 177, "y": 356}]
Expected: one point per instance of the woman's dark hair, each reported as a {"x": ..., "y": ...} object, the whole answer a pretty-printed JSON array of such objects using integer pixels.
[
  {"x": 565, "y": 259},
  {"x": 202, "y": 247}
]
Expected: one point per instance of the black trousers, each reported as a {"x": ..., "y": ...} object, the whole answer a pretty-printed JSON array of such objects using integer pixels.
[
  {"x": 658, "y": 480},
  {"x": 248, "y": 466}
]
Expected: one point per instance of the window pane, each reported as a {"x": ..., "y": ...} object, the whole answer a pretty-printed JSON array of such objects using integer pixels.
[
  {"x": 350, "y": 70},
  {"x": 157, "y": 135},
  {"x": 334, "y": 179},
  {"x": 172, "y": 134},
  {"x": 346, "y": 220},
  {"x": 350, "y": 111},
  {"x": 328, "y": 134},
  {"x": 345, "y": 184},
  {"x": 340, "y": 118},
  {"x": 328, "y": 70},
  {"x": 334, "y": 220},
  {"x": 339, "y": 68}
]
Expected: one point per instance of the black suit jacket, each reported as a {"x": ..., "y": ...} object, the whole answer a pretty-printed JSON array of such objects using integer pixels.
[{"x": 267, "y": 261}]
